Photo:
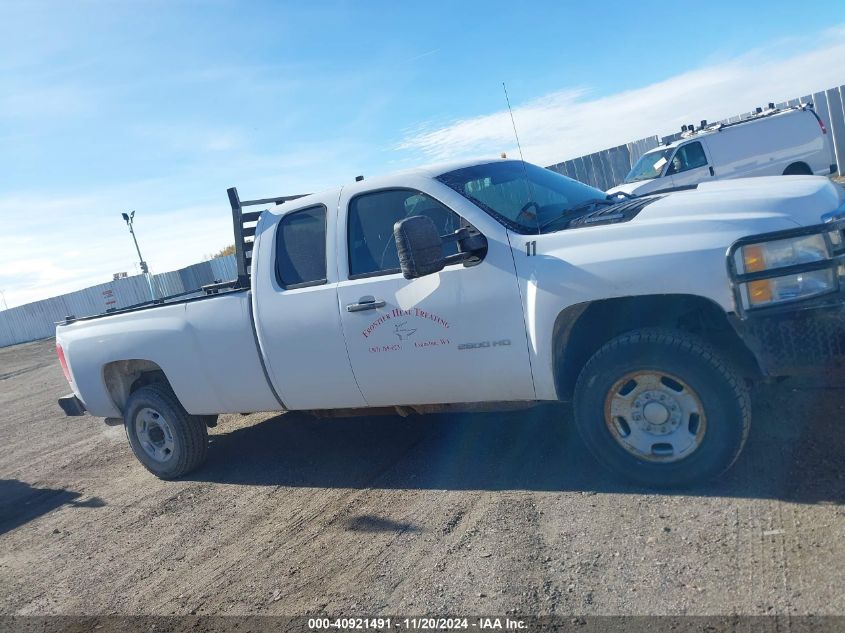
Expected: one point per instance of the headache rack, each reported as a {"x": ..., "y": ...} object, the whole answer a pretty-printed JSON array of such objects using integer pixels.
[{"x": 244, "y": 224}]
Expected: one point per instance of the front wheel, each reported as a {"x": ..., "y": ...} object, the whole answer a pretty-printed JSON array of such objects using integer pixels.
[
  {"x": 165, "y": 438},
  {"x": 662, "y": 408}
]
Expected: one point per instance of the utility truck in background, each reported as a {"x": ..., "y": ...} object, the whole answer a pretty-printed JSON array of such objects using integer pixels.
[
  {"x": 489, "y": 285},
  {"x": 791, "y": 142}
]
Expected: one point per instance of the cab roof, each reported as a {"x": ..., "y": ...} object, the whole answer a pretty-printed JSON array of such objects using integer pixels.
[{"x": 426, "y": 171}]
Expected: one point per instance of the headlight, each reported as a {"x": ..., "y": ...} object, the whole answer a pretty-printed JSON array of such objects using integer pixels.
[
  {"x": 780, "y": 253},
  {"x": 790, "y": 287},
  {"x": 770, "y": 256}
]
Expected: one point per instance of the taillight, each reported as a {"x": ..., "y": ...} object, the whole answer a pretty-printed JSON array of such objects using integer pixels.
[{"x": 63, "y": 362}]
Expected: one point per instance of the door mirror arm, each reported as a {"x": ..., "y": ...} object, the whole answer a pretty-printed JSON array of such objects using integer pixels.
[
  {"x": 472, "y": 246},
  {"x": 420, "y": 246}
]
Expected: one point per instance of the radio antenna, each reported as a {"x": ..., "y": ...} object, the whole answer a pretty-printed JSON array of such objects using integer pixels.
[
  {"x": 529, "y": 189},
  {"x": 513, "y": 122}
]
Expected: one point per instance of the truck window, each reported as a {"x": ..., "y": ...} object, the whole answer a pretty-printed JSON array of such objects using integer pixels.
[
  {"x": 372, "y": 249},
  {"x": 519, "y": 195},
  {"x": 650, "y": 165},
  {"x": 688, "y": 156},
  {"x": 301, "y": 248}
]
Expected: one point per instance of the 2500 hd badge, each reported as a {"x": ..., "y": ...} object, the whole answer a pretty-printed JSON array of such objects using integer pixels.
[{"x": 482, "y": 344}]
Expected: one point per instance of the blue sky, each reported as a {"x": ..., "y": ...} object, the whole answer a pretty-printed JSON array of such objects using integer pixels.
[{"x": 159, "y": 106}]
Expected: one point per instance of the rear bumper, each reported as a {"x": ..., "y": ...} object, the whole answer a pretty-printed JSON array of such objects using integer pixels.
[{"x": 72, "y": 405}]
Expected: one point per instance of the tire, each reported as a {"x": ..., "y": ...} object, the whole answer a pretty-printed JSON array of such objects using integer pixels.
[
  {"x": 798, "y": 169},
  {"x": 210, "y": 421},
  {"x": 165, "y": 438},
  {"x": 692, "y": 434}
]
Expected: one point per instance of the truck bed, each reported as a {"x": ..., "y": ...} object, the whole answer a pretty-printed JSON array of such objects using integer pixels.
[
  {"x": 205, "y": 345},
  {"x": 184, "y": 297}
]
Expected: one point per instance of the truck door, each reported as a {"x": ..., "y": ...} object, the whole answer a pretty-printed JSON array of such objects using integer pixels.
[
  {"x": 690, "y": 165},
  {"x": 453, "y": 336},
  {"x": 295, "y": 307}
]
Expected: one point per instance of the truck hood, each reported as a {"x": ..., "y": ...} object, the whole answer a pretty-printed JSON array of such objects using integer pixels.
[
  {"x": 799, "y": 199},
  {"x": 675, "y": 244}
]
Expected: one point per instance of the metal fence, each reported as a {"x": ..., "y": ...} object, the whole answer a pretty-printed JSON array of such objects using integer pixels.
[
  {"x": 603, "y": 169},
  {"x": 37, "y": 320},
  {"x": 608, "y": 168}
]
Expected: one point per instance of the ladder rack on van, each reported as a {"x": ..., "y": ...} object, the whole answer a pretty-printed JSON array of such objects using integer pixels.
[
  {"x": 688, "y": 131},
  {"x": 244, "y": 224}
]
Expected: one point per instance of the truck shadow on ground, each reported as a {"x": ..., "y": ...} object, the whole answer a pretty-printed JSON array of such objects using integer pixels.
[
  {"x": 21, "y": 502},
  {"x": 794, "y": 452}
]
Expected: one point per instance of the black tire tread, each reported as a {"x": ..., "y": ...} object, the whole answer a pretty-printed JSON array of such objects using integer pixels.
[
  {"x": 192, "y": 430},
  {"x": 683, "y": 341}
]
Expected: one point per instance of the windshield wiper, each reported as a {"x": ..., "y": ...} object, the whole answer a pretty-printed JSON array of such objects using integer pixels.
[{"x": 587, "y": 204}]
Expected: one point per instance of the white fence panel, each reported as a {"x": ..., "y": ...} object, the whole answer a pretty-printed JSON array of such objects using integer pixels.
[{"x": 37, "y": 320}]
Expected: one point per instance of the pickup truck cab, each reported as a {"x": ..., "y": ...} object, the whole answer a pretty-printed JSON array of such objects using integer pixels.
[
  {"x": 489, "y": 285},
  {"x": 773, "y": 142}
]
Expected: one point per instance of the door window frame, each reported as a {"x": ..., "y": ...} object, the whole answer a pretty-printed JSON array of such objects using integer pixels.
[
  {"x": 277, "y": 239},
  {"x": 678, "y": 149},
  {"x": 386, "y": 271}
]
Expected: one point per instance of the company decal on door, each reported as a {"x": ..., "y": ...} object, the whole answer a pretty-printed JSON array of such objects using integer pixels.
[{"x": 407, "y": 329}]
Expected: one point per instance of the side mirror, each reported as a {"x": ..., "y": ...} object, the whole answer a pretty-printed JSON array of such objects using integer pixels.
[{"x": 419, "y": 246}]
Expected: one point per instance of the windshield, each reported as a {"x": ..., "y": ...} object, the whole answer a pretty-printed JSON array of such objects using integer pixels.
[
  {"x": 520, "y": 195},
  {"x": 649, "y": 166}
]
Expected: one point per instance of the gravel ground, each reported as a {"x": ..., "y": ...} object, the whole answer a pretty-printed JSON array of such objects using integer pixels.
[{"x": 444, "y": 514}]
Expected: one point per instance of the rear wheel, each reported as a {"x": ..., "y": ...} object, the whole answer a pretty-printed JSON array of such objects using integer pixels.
[
  {"x": 165, "y": 438},
  {"x": 661, "y": 408}
]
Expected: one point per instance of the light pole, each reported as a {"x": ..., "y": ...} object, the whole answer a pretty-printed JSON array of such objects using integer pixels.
[
  {"x": 129, "y": 218},
  {"x": 3, "y": 295}
]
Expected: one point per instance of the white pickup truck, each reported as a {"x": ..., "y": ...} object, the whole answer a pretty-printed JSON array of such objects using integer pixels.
[{"x": 490, "y": 285}]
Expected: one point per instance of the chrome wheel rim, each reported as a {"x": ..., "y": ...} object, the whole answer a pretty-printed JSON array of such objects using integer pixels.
[
  {"x": 154, "y": 435},
  {"x": 655, "y": 416}
]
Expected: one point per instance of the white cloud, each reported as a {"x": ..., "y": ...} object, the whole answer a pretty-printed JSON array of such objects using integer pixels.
[
  {"x": 422, "y": 55},
  {"x": 569, "y": 123}
]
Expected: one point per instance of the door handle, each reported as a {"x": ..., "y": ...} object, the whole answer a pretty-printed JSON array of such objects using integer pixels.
[{"x": 365, "y": 303}]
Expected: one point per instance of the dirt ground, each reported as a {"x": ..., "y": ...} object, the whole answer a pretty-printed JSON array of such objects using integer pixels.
[{"x": 464, "y": 514}]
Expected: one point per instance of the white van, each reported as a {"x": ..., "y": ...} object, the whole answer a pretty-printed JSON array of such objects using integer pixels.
[{"x": 790, "y": 141}]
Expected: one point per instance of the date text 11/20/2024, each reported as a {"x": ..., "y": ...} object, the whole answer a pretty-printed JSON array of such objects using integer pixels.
[{"x": 417, "y": 624}]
